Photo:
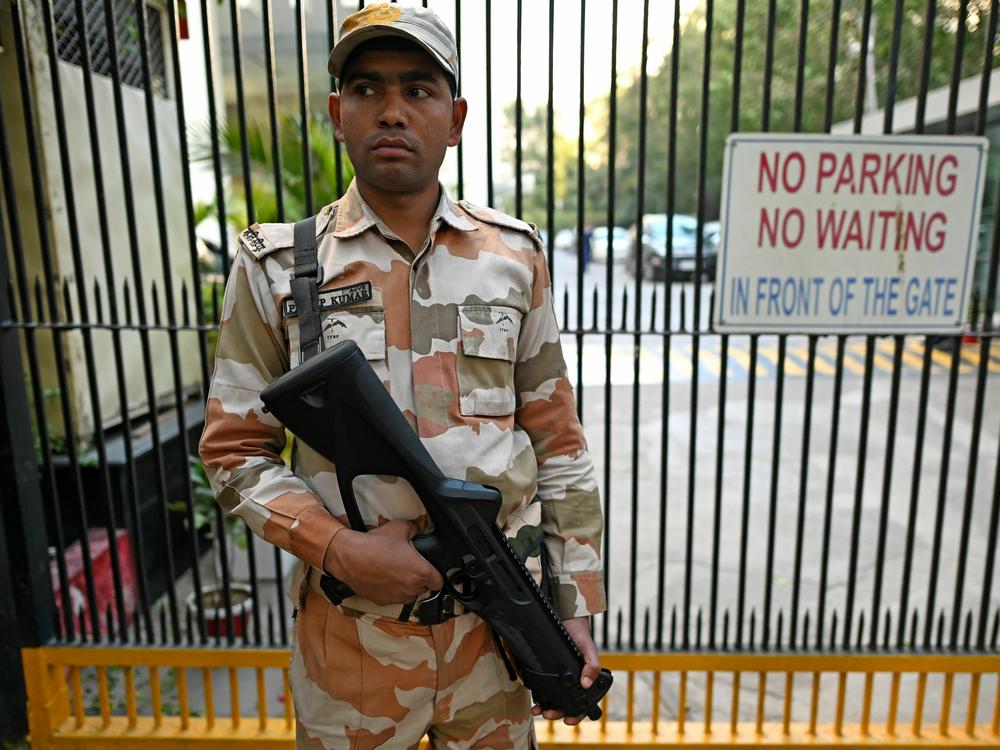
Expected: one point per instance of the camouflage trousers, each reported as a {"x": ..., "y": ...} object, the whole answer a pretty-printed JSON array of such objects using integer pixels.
[{"x": 360, "y": 681}]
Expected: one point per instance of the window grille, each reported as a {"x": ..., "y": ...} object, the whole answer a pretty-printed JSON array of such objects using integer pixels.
[{"x": 127, "y": 37}]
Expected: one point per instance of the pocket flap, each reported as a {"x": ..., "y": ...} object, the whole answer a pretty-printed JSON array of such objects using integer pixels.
[
  {"x": 489, "y": 331},
  {"x": 366, "y": 327}
]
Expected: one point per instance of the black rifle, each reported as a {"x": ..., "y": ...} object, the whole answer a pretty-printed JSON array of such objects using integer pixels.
[{"x": 337, "y": 405}]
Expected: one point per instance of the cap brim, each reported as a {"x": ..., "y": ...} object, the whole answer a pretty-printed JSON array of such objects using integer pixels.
[{"x": 343, "y": 49}]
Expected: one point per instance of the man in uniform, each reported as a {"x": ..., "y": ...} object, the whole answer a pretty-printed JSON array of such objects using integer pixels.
[{"x": 452, "y": 306}]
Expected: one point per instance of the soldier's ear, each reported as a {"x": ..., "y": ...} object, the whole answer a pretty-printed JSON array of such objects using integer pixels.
[
  {"x": 459, "y": 110},
  {"x": 338, "y": 130}
]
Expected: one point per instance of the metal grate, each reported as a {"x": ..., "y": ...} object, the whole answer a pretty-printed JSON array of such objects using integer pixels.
[{"x": 127, "y": 38}]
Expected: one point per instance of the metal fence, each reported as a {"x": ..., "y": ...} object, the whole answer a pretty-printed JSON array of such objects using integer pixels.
[{"x": 762, "y": 492}]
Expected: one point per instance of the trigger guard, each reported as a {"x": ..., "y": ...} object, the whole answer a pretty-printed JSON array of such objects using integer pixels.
[{"x": 425, "y": 544}]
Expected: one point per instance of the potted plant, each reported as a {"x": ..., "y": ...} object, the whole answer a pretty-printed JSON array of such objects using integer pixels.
[{"x": 213, "y": 593}]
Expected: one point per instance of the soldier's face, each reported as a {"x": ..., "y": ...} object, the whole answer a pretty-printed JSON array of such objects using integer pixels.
[{"x": 396, "y": 117}]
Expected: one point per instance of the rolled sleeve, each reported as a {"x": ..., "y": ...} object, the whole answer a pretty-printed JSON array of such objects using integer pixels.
[
  {"x": 572, "y": 520},
  {"x": 241, "y": 444}
]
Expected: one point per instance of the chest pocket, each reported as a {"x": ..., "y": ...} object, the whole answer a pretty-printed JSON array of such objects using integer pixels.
[
  {"x": 363, "y": 324},
  {"x": 487, "y": 347}
]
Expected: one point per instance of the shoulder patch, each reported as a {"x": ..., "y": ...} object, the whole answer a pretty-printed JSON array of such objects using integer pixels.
[
  {"x": 492, "y": 216},
  {"x": 261, "y": 240}
]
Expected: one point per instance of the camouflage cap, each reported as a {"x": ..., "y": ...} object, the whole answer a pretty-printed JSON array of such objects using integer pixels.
[{"x": 421, "y": 25}]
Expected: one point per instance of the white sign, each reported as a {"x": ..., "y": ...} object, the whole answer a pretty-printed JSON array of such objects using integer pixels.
[{"x": 845, "y": 234}]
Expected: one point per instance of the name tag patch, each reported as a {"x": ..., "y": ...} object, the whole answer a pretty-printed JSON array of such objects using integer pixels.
[{"x": 332, "y": 299}]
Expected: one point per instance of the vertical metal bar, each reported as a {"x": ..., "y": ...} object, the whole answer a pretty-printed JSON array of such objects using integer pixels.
[
  {"x": 890, "y": 722},
  {"x": 460, "y": 150},
  {"x": 155, "y": 696},
  {"x": 949, "y": 423},
  {"x": 800, "y": 65},
  {"x": 76, "y": 693},
  {"x": 883, "y": 521},
  {"x": 181, "y": 129},
  {"x": 831, "y": 70},
  {"x": 838, "y": 718},
  {"x": 973, "y": 706},
  {"x": 261, "y": 701},
  {"x": 103, "y": 697},
  {"x": 747, "y": 472},
  {"x": 709, "y": 701},
  {"x": 550, "y": 129},
  {"x": 866, "y": 705},
  {"x": 772, "y": 518},
  {"x": 761, "y": 696},
  {"x": 682, "y": 703},
  {"x": 637, "y": 334},
  {"x": 241, "y": 112},
  {"x": 655, "y": 718},
  {"x": 994, "y": 264},
  {"x": 667, "y": 327},
  {"x": 838, "y": 380},
  {"x": 182, "y": 697},
  {"x": 800, "y": 516},
  {"x": 489, "y": 106},
  {"x": 943, "y": 725},
  {"x": 209, "y": 692},
  {"x": 213, "y": 129},
  {"x": 890, "y": 108},
  {"x": 734, "y": 711},
  {"x": 720, "y": 427},
  {"x": 270, "y": 76},
  {"x": 630, "y": 710},
  {"x": 996, "y": 710},
  {"x": 859, "y": 489},
  {"x": 518, "y": 125},
  {"x": 696, "y": 326},
  {"x": 581, "y": 200},
  {"x": 918, "y": 452},
  {"x": 303, "y": 68},
  {"x": 130, "y": 708},
  {"x": 609, "y": 310},
  {"x": 859, "y": 99},
  {"x": 338, "y": 154},
  {"x": 814, "y": 704},
  {"x": 234, "y": 697},
  {"x": 918, "y": 709},
  {"x": 991, "y": 546}
]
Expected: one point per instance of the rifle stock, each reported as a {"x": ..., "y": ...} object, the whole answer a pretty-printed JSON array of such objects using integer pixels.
[{"x": 337, "y": 405}]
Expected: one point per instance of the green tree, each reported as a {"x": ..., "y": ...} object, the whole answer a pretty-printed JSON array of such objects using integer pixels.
[{"x": 783, "y": 110}]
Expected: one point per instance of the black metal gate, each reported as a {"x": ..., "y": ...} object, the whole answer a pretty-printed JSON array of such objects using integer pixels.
[{"x": 762, "y": 492}]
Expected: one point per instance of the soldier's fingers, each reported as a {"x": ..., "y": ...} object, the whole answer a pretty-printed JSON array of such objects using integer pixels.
[{"x": 433, "y": 579}]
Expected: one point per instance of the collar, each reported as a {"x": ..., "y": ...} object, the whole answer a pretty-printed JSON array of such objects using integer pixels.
[{"x": 355, "y": 216}]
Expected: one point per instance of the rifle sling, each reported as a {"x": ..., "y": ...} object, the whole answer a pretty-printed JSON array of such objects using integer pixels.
[{"x": 306, "y": 278}]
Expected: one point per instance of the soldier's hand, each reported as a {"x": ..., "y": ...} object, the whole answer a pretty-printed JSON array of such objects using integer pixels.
[
  {"x": 579, "y": 630},
  {"x": 382, "y": 565}
]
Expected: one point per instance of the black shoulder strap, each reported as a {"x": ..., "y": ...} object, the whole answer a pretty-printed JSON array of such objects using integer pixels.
[
  {"x": 306, "y": 278},
  {"x": 305, "y": 288}
]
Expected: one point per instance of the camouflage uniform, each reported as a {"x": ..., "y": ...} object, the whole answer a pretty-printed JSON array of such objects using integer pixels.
[{"x": 464, "y": 336}]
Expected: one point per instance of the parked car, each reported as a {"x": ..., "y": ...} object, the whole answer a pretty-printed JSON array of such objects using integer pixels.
[
  {"x": 651, "y": 260},
  {"x": 619, "y": 244},
  {"x": 565, "y": 240}
]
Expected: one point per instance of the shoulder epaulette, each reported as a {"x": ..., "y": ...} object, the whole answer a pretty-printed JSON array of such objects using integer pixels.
[
  {"x": 260, "y": 240},
  {"x": 492, "y": 216}
]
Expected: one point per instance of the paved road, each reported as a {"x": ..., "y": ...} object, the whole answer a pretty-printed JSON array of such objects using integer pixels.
[{"x": 667, "y": 465}]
